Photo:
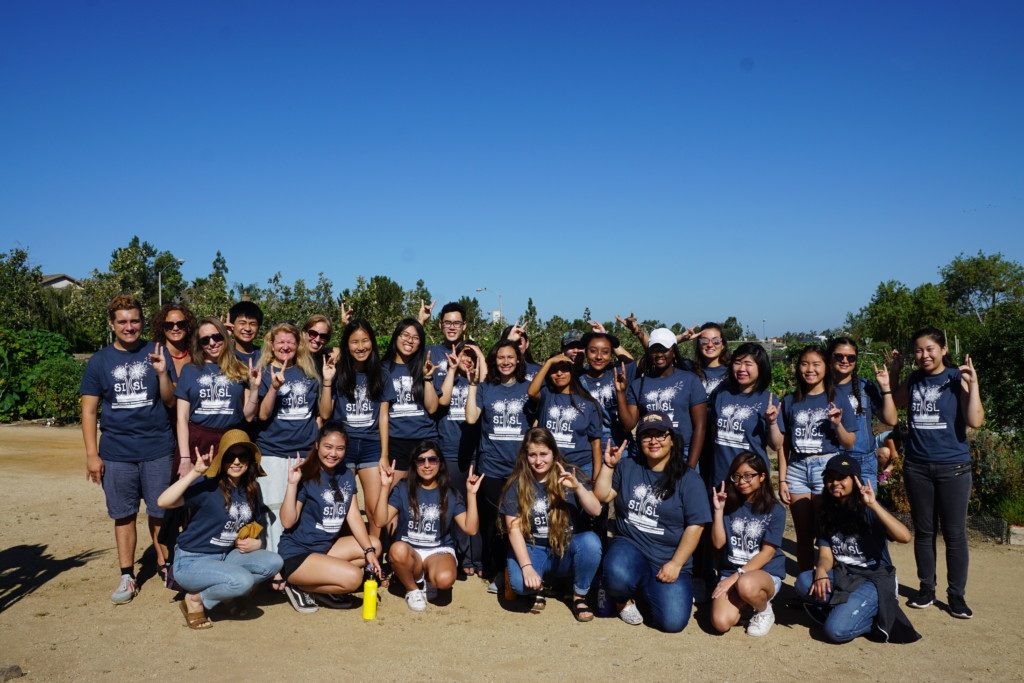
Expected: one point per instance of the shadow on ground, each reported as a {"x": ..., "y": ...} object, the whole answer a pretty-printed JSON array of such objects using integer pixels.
[{"x": 26, "y": 568}]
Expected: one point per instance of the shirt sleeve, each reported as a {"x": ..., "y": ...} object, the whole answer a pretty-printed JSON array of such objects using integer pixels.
[
  {"x": 509, "y": 504},
  {"x": 594, "y": 427},
  {"x": 631, "y": 393},
  {"x": 776, "y": 527},
  {"x": 91, "y": 385},
  {"x": 697, "y": 393}
]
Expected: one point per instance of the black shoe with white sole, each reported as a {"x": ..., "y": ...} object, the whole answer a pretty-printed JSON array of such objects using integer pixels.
[
  {"x": 958, "y": 607},
  {"x": 924, "y": 598}
]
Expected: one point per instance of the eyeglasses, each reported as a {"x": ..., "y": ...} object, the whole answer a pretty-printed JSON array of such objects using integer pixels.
[
  {"x": 745, "y": 478},
  {"x": 427, "y": 460},
  {"x": 177, "y": 324},
  {"x": 313, "y": 334},
  {"x": 652, "y": 436},
  {"x": 216, "y": 338},
  {"x": 405, "y": 336},
  {"x": 848, "y": 357},
  {"x": 452, "y": 324},
  {"x": 713, "y": 341}
]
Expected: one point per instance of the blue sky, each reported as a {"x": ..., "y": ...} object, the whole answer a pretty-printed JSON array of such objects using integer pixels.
[{"x": 688, "y": 161}]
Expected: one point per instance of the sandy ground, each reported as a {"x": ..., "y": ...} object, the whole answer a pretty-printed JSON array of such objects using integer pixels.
[{"x": 58, "y": 568}]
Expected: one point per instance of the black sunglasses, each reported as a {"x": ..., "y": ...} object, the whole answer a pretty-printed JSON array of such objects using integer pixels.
[
  {"x": 313, "y": 334},
  {"x": 427, "y": 460},
  {"x": 179, "y": 324},
  {"x": 216, "y": 337},
  {"x": 849, "y": 357}
]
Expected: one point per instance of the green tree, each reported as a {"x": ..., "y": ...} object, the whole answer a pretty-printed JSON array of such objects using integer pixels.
[
  {"x": 379, "y": 300},
  {"x": 209, "y": 295},
  {"x": 896, "y": 311},
  {"x": 975, "y": 284},
  {"x": 732, "y": 329},
  {"x": 20, "y": 283},
  {"x": 995, "y": 350}
]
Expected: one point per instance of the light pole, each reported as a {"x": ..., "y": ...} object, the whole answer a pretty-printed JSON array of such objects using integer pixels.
[
  {"x": 484, "y": 289},
  {"x": 764, "y": 336},
  {"x": 160, "y": 281}
]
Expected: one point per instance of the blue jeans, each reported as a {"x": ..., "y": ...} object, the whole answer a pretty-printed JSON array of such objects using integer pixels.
[
  {"x": 222, "y": 576},
  {"x": 628, "y": 572},
  {"x": 582, "y": 558},
  {"x": 843, "y": 623}
]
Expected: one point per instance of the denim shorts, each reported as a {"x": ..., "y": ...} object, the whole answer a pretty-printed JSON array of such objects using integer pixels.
[
  {"x": 125, "y": 483},
  {"x": 804, "y": 474},
  {"x": 362, "y": 453}
]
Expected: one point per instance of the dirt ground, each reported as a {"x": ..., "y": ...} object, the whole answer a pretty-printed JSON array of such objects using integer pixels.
[{"x": 58, "y": 568}]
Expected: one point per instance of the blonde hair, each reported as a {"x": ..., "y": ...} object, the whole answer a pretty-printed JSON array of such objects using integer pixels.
[
  {"x": 303, "y": 358},
  {"x": 228, "y": 362},
  {"x": 318, "y": 318}
]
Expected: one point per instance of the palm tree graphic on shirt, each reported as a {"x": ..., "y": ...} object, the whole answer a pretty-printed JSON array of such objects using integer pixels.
[
  {"x": 129, "y": 387},
  {"x": 239, "y": 515},
  {"x": 539, "y": 514},
  {"x": 294, "y": 403},
  {"x": 643, "y": 510},
  {"x": 559, "y": 421},
  {"x": 711, "y": 383},
  {"x": 808, "y": 436},
  {"x": 334, "y": 510},
  {"x": 847, "y": 550},
  {"x": 405, "y": 405},
  {"x": 924, "y": 408},
  {"x": 359, "y": 413},
  {"x": 731, "y": 430},
  {"x": 424, "y": 532},
  {"x": 661, "y": 400},
  {"x": 746, "y": 534},
  {"x": 457, "y": 409},
  {"x": 214, "y": 395},
  {"x": 508, "y": 419}
]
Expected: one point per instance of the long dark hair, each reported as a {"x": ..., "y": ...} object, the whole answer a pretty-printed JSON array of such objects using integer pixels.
[
  {"x": 246, "y": 483},
  {"x": 311, "y": 468},
  {"x": 854, "y": 379},
  {"x": 938, "y": 337},
  {"x": 800, "y": 393},
  {"x": 346, "y": 379},
  {"x": 493, "y": 376},
  {"x": 848, "y": 517},
  {"x": 674, "y": 469},
  {"x": 576, "y": 389},
  {"x": 413, "y": 364},
  {"x": 763, "y": 500},
  {"x": 764, "y": 365},
  {"x": 699, "y": 360},
  {"x": 443, "y": 482}
]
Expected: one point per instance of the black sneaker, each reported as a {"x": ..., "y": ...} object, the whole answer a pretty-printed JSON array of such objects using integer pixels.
[
  {"x": 334, "y": 601},
  {"x": 958, "y": 608},
  {"x": 924, "y": 598},
  {"x": 301, "y": 600}
]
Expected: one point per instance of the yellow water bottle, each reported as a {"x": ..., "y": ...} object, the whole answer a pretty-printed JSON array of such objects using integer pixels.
[{"x": 370, "y": 598}]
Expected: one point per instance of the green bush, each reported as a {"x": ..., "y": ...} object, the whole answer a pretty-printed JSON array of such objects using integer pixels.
[
  {"x": 998, "y": 469},
  {"x": 21, "y": 353},
  {"x": 54, "y": 391},
  {"x": 1012, "y": 510}
]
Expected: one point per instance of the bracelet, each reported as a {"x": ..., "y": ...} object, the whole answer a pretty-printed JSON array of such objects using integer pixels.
[
  {"x": 326, "y": 384},
  {"x": 824, "y": 578},
  {"x": 369, "y": 550},
  {"x": 886, "y": 393},
  {"x": 525, "y": 566}
]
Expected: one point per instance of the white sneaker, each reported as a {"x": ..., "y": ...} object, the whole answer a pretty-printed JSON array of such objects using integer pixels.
[
  {"x": 126, "y": 591},
  {"x": 761, "y": 622},
  {"x": 416, "y": 600},
  {"x": 631, "y": 615}
]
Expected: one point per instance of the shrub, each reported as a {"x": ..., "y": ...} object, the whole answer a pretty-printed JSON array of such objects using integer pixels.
[{"x": 54, "y": 391}]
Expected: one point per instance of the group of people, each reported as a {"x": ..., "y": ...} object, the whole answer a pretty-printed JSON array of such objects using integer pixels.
[{"x": 488, "y": 463}]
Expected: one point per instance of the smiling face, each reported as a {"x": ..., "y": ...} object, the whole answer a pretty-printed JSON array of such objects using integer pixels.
[
  {"x": 246, "y": 329},
  {"x": 811, "y": 369},
  {"x": 506, "y": 360},
  {"x": 540, "y": 459},
  {"x": 452, "y": 326},
  {"x": 710, "y": 343},
  {"x": 284, "y": 345},
  {"x": 661, "y": 358},
  {"x": 599, "y": 353},
  {"x": 212, "y": 348},
  {"x": 838, "y": 486},
  {"x": 359, "y": 346},
  {"x": 561, "y": 374},
  {"x": 175, "y": 328},
  {"x": 127, "y": 326},
  {"x": 842, "y": 365},
  {"x": 467, "y": 362},
  {"x": 656, "y": 445},
  {"x": 929, "y": 354},
  {"x": 746, "y": 372},
  {"x": 235, "y": 463},
  {"x": 318, "y": 335},
  {"x": 331, "y": 450},
  {"x": 742, "y": 473},
  {"x": 408, "y": 342},
  {"x": 427, "y": 465}
]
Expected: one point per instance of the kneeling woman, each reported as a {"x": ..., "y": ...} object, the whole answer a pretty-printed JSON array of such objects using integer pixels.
[
  {"x": 320, "y": 563},
  {"x": 542, "y": 505},
  {"x": 747, "y": 531},
  {"x": 425, "y": 504},
  {"x": 211, "y": 562},
  {"x": 661, "y": 507},
  {"x": 853, "y": 587}
]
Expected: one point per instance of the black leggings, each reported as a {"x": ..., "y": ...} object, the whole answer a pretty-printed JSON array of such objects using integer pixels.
[
  {"x": 938, "y": 494},
  {"x": 494, "y": 544}
]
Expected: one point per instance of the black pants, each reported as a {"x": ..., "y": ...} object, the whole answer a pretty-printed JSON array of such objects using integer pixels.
[
  {"x": 938, "y": 494},
  {"x": 495, "y": 547}
]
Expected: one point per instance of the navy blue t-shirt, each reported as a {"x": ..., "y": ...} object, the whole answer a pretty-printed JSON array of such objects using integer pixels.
[
  {"x": 246, "y": 357},
  {"x": 503, "y": 424},
  {"x": 807, "y": 423},
  {"x": 438, "y": 354},
  {"x": 871, "y": 400},
  {"x": 292, "y": 425},
  {"x": 531, "y": 371},
  {"x": 713, "y": 377},
  {"x": 215, "y": 401},
  {"x": 458, "y": 439},
  {"x": 213, "y": 527},
  {"x": 135, "y": 422},
  {"x": 573, "y": 421},
  {"x": 360, "y": 416},
  {"x": 674, "y": 394},
  {"x": 653, "y": 525},
  {"x": 938, "y": 431},
  {"x": 407, "y": 419},
  {"x": 425, "y": 533},
  {"x": 602, "y": 388},
  {"x": 739, "y": 424},
  {"x": 867, "y": 550},
  {"x": 324, "y": 508},
  {"x": 746, "y": 532},
  {"x": 539, "y": 525}
]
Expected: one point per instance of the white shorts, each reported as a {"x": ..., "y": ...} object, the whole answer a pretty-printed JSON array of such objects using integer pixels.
[{"x": 424, "y": 553}]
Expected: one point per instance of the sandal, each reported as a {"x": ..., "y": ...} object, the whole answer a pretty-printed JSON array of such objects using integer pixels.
[
  {"x": 196, "y": 621},
  {"x": 278, "y": 584},
  {"x": 580, "y": 607},
  {"x": 539, "y": 603}
]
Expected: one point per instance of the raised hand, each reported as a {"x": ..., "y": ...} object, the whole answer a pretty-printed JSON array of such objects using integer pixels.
[
  {"x": 688, "y": 333},
  {"x": 772, "y": 411},
  {"x": 567, "y": 478},
  {"x": 203, "y": 461},
  {"x": 517, "y": 332},
  {"x": 387, "y": 474},
  {"x": 719, "y": 497},
  {"x": 630, "y": 323},
  {"x": 157, "y": 360},
  {"x": 895, "y": 362},
  {"x": 473, "y": 481},
  {"x": 612, "y": 455},
  {"x": 453, "y": 361},
  {"x": 428, "y": 370},
  {"x": 229, "y": 327},
  {"x": 881, "y": 376},
  {"x": 276, "y": 378},
  {"x": 835, "y": 415},
  {"x": 346, "y": 314},
  {"x": 425, "y": 311},
  {"x": 255, "y": 376},
  {"x": 597, "y": 327},
  {"x": 620, "y": 379},
  {"x": 295, "y": 470},
  {"x": 867, "y": 493},
  {"x": 967, "y": 371},
  {"x": 330, "y": 368}
]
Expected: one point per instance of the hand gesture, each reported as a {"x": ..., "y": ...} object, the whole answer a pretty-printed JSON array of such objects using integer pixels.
[
  {"x": 567, "y": 478},
  {"x": 428, "y": 370},
  {"x": 425, "y": 311},
  {"x": 881, "y": 376},
  {"x": 560, "y": 358},
  {"x": 157, "y": 360},
  {"x": 276, "y": 378},
  {"x": 473, "y": 481},
  {"x": 967, "y": 371},
  {"x": 725, "y": 585},
  {"x": 330, "y": 368},
  {"x": 630, "y": 323},
  {"x": 867, "y": 493},
  {"x": 387, "y": 474},
  {"x": 597, "y": 327},
  {"x": 517, "y": 332},
  {"x": 612, "y": 455},
  {"x": 719, "y": 497},
  {"x": 821, "y": 587},
  {"x": 669, "y": 572},
  {"x": 346, "y": 314},
  {"x": 295, "y": 470},
  {"x": 895, "y": 362},
  {"x": 531, "y": 578},
  {"x": 620, "y": 379},
  {"x": 688, "y": 333},
  {"x": 835, "y": 415},
  {"x": 771, "y": 413},
  {"x": 203, "y": 461},
  {"x": 229, "y": 327},
  {"x": 453, "y": 362},
  {"x": 255, "y": 376}
]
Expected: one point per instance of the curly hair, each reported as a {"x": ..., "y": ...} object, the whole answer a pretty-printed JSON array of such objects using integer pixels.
[{"x": 160, "y": 337}]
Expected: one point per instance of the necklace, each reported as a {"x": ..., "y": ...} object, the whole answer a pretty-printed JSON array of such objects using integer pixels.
[{"x": 176, "y": 357}]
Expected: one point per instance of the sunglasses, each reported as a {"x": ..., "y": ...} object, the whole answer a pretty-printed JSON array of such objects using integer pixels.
[
  {"x": 177, "y": 324},
  {"x": 313, "y": 334},
  {"x": 215, "y": 338},
  {"x": 848, "y": 357},
  {"x": 427, "y": 460},
  {"x": 704, "y": 341}
]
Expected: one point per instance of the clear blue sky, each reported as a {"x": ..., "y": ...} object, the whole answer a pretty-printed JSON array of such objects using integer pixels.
[{"x": 685, "y": 160}]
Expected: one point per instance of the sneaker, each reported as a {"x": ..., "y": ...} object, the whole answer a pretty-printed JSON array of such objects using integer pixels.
[
  {"x": 958, "y": 608},
  {"x": 761, "y": 622},
  {"x": 334, "y": 600},
  {"x": 416, "y": 600},
  {"x": 126, "y": 591},
  {"x": 924, "y": 598},
  {"x": 631, "y": 615},
  {"x": 496, "y": 584},
  {"x": 301, "y": 600}
]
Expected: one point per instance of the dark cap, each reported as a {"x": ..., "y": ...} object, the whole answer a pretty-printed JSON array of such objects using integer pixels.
[
  {"x": 571, "y": 337},
  {"x": 843, "y": 465},
  {"x": 655, "y": 421}
]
